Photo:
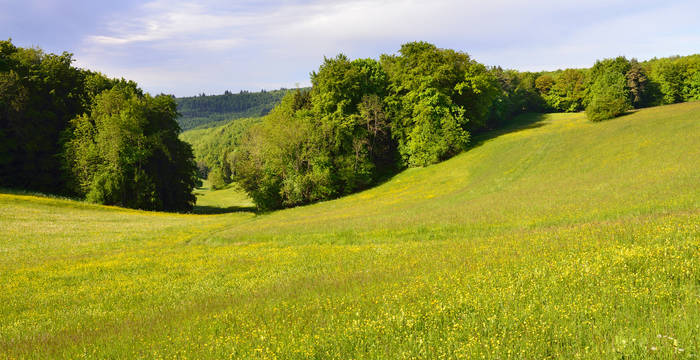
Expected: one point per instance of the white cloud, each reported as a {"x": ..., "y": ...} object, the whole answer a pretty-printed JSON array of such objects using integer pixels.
[{"x": 218, "y": 45}]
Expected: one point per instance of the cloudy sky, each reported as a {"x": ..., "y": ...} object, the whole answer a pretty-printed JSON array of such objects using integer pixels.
[{"x": 187, "y": 47}]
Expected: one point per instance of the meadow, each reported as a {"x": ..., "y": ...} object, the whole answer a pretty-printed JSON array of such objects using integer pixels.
[{"x": 553, "y": 238}]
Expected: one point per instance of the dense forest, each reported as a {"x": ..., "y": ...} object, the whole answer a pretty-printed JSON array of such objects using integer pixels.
[
  {"x": 212, "y": 110},
  {"x": 365, "y": 118},
  {"x": 70, "y": 131}
]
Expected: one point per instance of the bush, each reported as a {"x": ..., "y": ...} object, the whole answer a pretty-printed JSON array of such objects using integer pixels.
[
  {"x": 216, "y": 179},
  {"x": 609, "y": 97}
]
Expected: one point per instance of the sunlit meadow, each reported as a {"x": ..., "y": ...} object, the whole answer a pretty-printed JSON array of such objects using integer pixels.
[{"x": 556, "y": 238}]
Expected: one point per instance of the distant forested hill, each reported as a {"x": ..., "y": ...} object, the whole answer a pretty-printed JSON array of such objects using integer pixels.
[{"x": 212, "y": 110}]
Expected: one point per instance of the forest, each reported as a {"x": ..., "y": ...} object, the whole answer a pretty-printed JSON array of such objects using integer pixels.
[
  {"x": 211, "y": 110},
  {"x": 365, "y": 119},
  {"x": 65, "y": 130}
]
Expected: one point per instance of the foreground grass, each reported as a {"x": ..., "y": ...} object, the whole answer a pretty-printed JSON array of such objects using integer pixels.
[{"x": 559, "y": 238}]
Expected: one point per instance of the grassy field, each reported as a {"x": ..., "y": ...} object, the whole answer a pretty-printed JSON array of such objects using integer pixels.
[
  {"x": 230, "y": 199},
  {"x": 556, "y": 238}
]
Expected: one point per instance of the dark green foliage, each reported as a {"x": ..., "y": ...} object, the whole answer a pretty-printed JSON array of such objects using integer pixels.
[
  {"x": 212, "y": 110},
  {"x": 39, "y": 94},
  {"x": 126, "y": 152},
  {"x": 516, "y": 94},
  {"x": 609, "y": 96},
  {"x": 71, "y": 131},
  {"x": 638, "y": 84}
]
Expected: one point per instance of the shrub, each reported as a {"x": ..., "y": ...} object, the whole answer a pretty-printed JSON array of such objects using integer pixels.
[{"x": 609, "y": 97}]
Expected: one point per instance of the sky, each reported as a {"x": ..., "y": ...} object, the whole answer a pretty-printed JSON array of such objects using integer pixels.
[{"x": 186, "y": 48}]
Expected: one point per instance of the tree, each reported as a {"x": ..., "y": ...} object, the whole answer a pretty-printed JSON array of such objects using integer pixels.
[
  {"x": 216, "y": 179},
  {"x": 668, "y": 73},
  {"x": 609, "y": 97},
  {"x": 432, "y": 94},
  {"x": 39, "y": 94},
  {"x": 319, "y": 144},
  {"x": 544, "y": 83},
  {"x": 637, "y": 83},
  {"x": 126, "y": 152},
  {"x": 568, "y": 91},
  {"x": 691, "y": 87}
]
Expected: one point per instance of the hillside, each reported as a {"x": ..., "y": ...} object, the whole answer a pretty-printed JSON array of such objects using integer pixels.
[
  {"x": 553, "y": 238},
  {"x": 212, "y": 110},
  {"x": 208, "y": 144}
]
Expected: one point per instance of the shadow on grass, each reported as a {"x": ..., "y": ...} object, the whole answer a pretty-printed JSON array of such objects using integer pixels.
[
  {"x": 213, "y": 210},
  {"x": 518, "y": 123}
]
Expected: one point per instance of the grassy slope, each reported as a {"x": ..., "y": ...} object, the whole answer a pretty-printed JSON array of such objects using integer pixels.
[
  {"x": 229, "y": 199},
  {"x": 562, "y": 238}
]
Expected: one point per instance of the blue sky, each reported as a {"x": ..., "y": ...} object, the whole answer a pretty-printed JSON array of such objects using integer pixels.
[{"x": 186, "y": 47}]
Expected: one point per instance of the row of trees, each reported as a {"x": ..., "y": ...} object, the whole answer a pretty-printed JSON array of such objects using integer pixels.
[
  {"x": 70, "y": 131},
  {"x": 612, "y": 86},
  {"x": 361, "y": 119},
  {"x": 365, "y": 118}
]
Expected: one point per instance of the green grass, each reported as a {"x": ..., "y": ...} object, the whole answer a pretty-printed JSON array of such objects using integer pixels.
[
  {"x": 558, "y": 238},
  {"x": 230, "y": 199}
]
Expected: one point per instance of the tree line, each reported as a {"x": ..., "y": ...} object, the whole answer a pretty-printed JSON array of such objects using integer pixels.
[
  {"x": 363, "y": 119},
  {"x": 70, "y": 131}
]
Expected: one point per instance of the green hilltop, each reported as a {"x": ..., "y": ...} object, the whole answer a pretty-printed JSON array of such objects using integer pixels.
[{"x": 553, "y": 237}]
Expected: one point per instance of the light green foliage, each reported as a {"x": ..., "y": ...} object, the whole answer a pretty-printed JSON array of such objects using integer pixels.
[
  {"x": 215, "y": 146},
  {"x": 691, "y": 78},
  {"x": 609, "y": 97},
  {"x": 433, "y": 93},
  {"x": 278, "y": 164},
  {"x": 567, "y": 93},
  {"x": 216, "y": 179},
  {"x": 524, "y": 247},
  {"x": 608, "y": 94},
  {"x": 126, "y": 152},
  {"x": 319, "y": 144},
  {"x": 668, "y": 73}
]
